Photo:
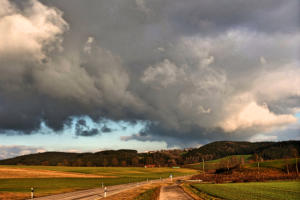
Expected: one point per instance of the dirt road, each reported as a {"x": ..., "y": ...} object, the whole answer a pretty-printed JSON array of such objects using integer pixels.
[{"x": 173, "y": 192}]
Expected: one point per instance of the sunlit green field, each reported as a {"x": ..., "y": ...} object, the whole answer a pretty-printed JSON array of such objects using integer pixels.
[
  {"x": 112, "y": 176},
  {"x": 138, "y": 172},
  {"x": 214, "y": 164},
  {"x": 276, "y": 164},
  {"x": 275, "y": 190},
  {"x": 49, "y": 185}
]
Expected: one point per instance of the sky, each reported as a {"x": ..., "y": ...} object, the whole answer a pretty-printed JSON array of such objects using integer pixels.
[{"x": 82, "y": 76}]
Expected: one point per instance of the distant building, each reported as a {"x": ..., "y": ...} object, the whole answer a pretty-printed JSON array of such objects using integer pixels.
[{"x": 149, "y": 166}]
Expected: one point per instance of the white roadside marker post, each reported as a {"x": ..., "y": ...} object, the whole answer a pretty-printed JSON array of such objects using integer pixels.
[
  {"x": 105, "y": 190},
  {"x": 32, "y": 193},
  {"x": 171, "y": 177}
]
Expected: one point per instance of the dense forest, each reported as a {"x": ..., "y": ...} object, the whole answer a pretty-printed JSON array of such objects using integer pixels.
[
  {"x": 266, "y": 150},
  {"x": 124, "y": 157}
]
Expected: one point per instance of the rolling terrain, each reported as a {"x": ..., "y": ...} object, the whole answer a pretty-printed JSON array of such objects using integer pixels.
[
  {"x": 163, "y": 158},
  {"x": 58, "y": 172},
  {"x": 91, "y": 177},
  {"x": 279, "y": 190}
]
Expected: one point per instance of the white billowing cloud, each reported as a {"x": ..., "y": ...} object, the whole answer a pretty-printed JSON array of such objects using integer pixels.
[
  {"x": 202, "y": 110},
  {"x": 207, "y": 61},
  {"x": 256, "y": 116},
  {"x": 142, "y": 6},
  {"x": 181, "y": 67},
  {"x": 16, "y": 150},
  {"x": 27, "y": 37},
  {"x": 28, "y": 31},
  {"x": 96, "y": 79},
  {"x": 88, "y": 45},
  {"x": 280, "y": 83},
  {"x": 262, "y": 60},
  {"x": 5, "y": 8},
  {"x": 164, "y": 73},
  {"x": 34, "y": 63},
  {"x": 207, "y": 79},
  {"x": 261, "y": 138}
]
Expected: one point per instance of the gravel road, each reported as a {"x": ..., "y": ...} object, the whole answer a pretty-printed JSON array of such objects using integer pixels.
[{"x": 173, "y": 192}]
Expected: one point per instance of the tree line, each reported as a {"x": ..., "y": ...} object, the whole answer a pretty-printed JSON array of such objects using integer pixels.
[{"x": 162, "y": 158}]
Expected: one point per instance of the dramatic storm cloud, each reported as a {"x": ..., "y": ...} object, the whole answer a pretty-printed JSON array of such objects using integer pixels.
[{"x": 193, "y": 71}]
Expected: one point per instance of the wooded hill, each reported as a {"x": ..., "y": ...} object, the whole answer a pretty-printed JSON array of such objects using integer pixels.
[
  {"x": 266, "y": 150},
  {"x": 215, "y": 150}
]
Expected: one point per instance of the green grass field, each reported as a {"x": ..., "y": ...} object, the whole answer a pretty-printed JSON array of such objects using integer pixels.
[
  {"x": 119, "y": 175},
  {"x": 50, "y": 185},
  {"x": 134, "y": 172},
  {"x": 276, "y": 164},
  {"x": 276, "y": 190},
  {"x": 213, "y": 164}
]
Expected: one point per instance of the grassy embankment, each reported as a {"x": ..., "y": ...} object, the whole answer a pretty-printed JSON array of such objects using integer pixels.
[
  {"x": 150, "y": 194},
  {"x": 214, "y": 164},
  {"x": 274, "y": 164},
  {"x": 276, "y": 190},
  {"x": 111, "y": 176}
]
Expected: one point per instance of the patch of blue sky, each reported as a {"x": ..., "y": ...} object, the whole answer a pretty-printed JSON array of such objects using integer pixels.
[
  {"x": 298, "y": 115},
  {"x": 67, "y": 140}
]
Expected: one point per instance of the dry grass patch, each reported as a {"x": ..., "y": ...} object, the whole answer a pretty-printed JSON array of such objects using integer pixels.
[
  {"x": 6, "y": 172},
  {"x": 186, "y": 188},
  {"x": 133, "y": 193},
  {"x": 13, "y": 196}
]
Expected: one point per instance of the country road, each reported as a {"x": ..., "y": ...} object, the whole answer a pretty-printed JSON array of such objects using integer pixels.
[
  {"x": 173, "y": 192},
  {"x": 92, "y": 194},
  {"x": 98, "y": 193}
]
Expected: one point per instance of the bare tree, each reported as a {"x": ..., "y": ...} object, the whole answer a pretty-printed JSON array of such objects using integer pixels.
[
  {"x": 257, "y": 159},
  {"x": 242, "y": 162},
  {"x": 79, "y": 162},
  {"x": 287, "y": 165},
  {"x": 105, "y": 162},
  {"x": 89, "y": 164},
  {"x": 135, "y": 161},
  {"x": 45, "y": 163},
  {"x": 227, "y": 165},
  {"x": 66, "y": 162},
  {"x": 114, "y": 162},
  {"x": 295, "y": 154},
  {"x": 123, "y": 163}
]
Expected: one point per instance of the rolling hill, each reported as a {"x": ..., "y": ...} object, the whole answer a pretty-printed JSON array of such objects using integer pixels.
[{"x": 125, "y": 157}]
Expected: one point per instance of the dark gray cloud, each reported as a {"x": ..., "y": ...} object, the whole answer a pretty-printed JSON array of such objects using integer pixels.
[
  {"x": 106, "y": 129},
  {"x": 197, "y": 71},
  {"x": 213, "y": 16},
  {"x": 82, "y": 129}
]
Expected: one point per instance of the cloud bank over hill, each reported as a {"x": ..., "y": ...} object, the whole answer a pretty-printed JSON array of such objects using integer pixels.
[
  {"x": 15, "y": 150},
  {"x": 193, "y": 71}
]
